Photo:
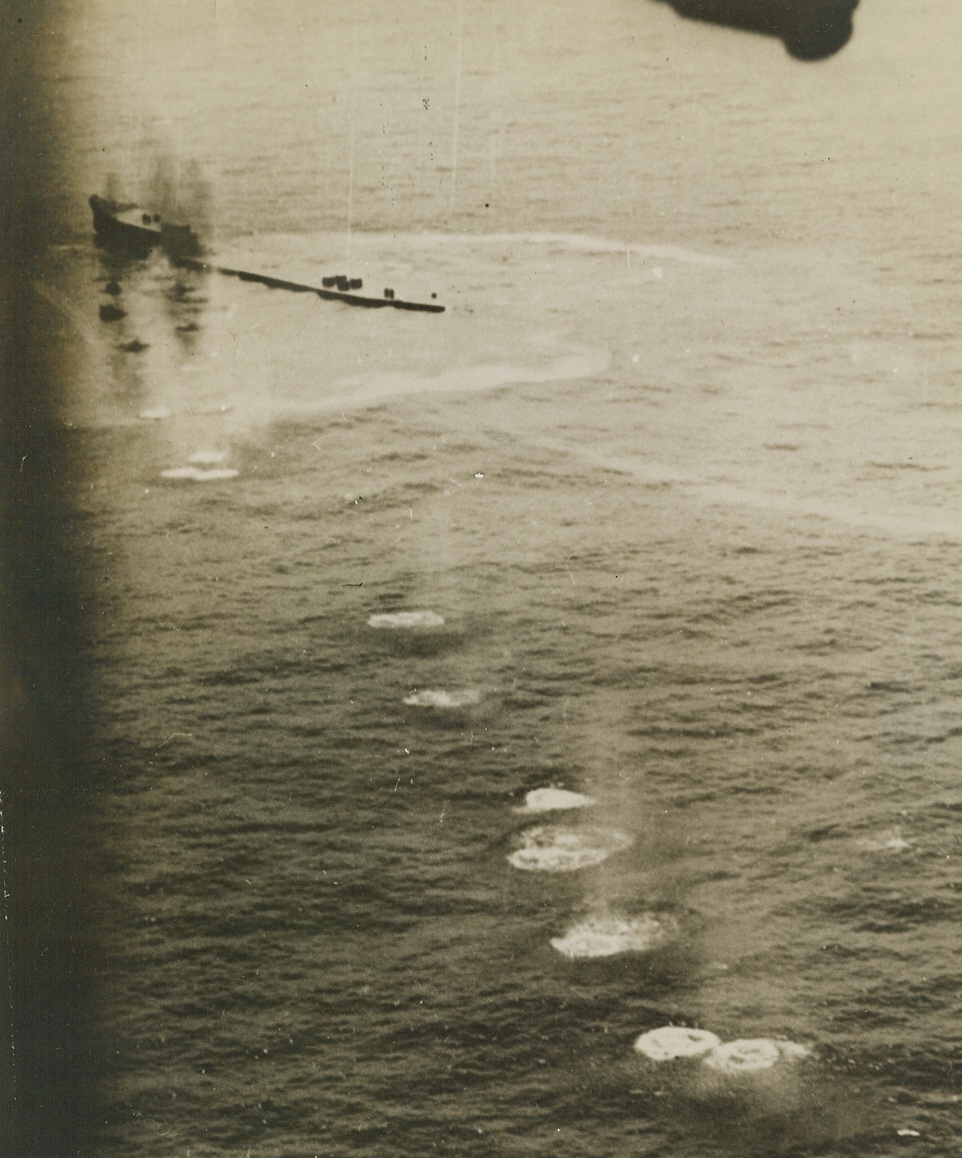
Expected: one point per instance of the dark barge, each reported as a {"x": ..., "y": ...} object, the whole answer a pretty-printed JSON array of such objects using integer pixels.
[{"x": 129, "y": 229}]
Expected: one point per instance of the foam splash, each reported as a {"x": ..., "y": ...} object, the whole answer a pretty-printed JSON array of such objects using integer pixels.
[
  {"x": 555, "y": 849},
  {"x": 606, "y": 936},
  {"x": 675, "y": 1041},
  {"x": 890, "y": 841},
  {"x": 554, "y": 800},
  {"x": 744, "y": 1056},
  {"x": 428, "y": 698},
  {"x": 195, "y": 474},
  {"x": 406, "y": 619},
  {"x": 156, "y": 413},
  {"x": 211, "y": 475},
  {"x": 749, "y": 1055}
]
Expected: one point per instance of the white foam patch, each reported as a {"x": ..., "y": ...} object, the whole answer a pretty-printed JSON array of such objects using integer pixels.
[
  {"x": 749, "y": 1055},
  {"x": 377, "y": 388},
  {"x": 555, "y": 849},
  {"x": 606, "y": 936},
  {"x": 406, "y": 619},
  {"x": 891, "y": 841},
  {"x": 156, "y": 413},
  {"x": 792, "y": 1050},
  {"x": 675, "y": 1041},
  {"x": 208, "y": 457},
  {"x": 195, "y": 474},
  {"x": 554, "y": 799},
  {"x": 428, "y": 698}
]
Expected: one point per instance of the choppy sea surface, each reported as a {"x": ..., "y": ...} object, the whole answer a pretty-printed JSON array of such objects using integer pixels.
[{"x": 665, "y": 510}]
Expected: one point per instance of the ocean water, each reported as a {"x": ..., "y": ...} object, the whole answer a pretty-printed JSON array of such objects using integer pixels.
[{"x": 663, "y": 510}]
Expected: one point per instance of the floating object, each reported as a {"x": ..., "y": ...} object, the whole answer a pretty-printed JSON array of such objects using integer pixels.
[
  {"x": 111, "y": 313},
  {"x": 428, "y": 698},
  {"x": 606, "y": 936},
  {"x": 752, "y": 1054},
  {"x": 406, "y": 619},
  {"x": 554, "y": 799},
  {"x": 125, "y": 226},
  {"x": 134, "y": 347},
  {"x": 343, "y": 293},
  {"x": 341, "y": 282},
  {"x": 556, "y": 849},
  {"x": 676, "y": 1041}
]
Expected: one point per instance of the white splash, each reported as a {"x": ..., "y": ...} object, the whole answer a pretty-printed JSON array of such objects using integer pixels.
[
  {"x": 554, "y": 800},
  {"x": 428, "y": 698},
  {"x": 606, "y": 936},
  {"x": 749, "y": 1055},
  {"x": 211, "y": 475},
  {"x": 891, "y": 841},
  {"x": 406, "y": 619},
  {"x": 555, "y": 849},
  {"x": 155, "y": 413},
  {"x": 195, "y": 474},
  {"x": 675, "y": 1041}
]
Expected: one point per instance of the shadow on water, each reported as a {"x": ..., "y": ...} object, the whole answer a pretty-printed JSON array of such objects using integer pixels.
[
  {"x": 810, "y": 31},
  {"x": 51, "y": 1060},
  {"x": 128, "y": 276}
]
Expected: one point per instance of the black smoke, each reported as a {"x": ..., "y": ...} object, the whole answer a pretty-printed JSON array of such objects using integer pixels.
[{"x": 809, "y": 29}]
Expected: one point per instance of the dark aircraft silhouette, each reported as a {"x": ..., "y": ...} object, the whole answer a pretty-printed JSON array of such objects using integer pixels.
[{"x": 809, "y": 29}]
